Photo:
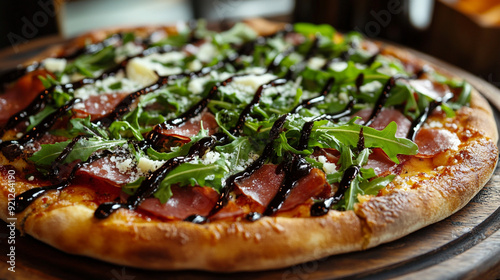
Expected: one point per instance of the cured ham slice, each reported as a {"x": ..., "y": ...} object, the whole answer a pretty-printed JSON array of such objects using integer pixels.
[
  {"x": 432, "y": 141},
  {"x": 20, "y": 94},
  {"x": 193, "y": 126},
  {"x": 109, "y": 170},
  {"x": 185, "y": 201},
  {"x": 379, "y": 161},
  {"x": 98, "y": 106},
  {"x": 385, "y": 117},
  {"x": 426, "y": 87},
  {"x": 263, "y": 185}
]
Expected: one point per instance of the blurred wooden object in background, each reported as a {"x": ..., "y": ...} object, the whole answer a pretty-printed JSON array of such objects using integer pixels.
[{"x": 467, "y": 33}]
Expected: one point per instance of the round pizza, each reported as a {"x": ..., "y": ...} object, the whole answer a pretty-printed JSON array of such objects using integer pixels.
[{"x": 259, "y": 147}]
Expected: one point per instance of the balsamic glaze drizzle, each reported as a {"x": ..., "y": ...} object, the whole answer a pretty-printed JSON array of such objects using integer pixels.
[
  {"x": 54, "y": 168},
  {"x": 417, "y": 124},
  {"x": 39, "y": 102},
  {"x": 254, "y": 166},
  {"x": 152, "y": 181},
  {"x": 295, "y": 166},
  {"x": 12, "y": 149},
  {"x": 381, "y": 100},
  {"x": 154, "y": 137},
  {"x": 322, "y": 207},
  {"x": 16, "y": 73},
  {"x": 312, "y": 101}
]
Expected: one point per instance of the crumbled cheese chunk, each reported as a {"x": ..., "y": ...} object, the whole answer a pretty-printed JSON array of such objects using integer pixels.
[
  {"x": 54, "y": 64},
  {"x": 328, "y": 167},
  {"x": 206, "y": 52},
  {"x": 371, "y": 87},
  {"x": 147, "y": 165},
  {"x": 338, "y": 66},
  {"x": 195, "y": 65},
  {"x": 253, "y": 81},
  {"x": 210, "y": 157},
  {"x": 125, "y": 165},
  {"x": 197, "y": 85},
  {"x": 316, "y": 63}
]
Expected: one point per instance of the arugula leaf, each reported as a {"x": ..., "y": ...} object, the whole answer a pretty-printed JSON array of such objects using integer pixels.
[
  {"x": 372, "y": 187},
  {"x": 186, "y": 174},
  {"x": 81, "y": 151},
  {"x": 86, "y": 127},
  {"x": 90, "y": 63},
  {"x": 36, "y": 119},
  {"x": 308, "y": 29},
  {"x": 385, "y": 139}
]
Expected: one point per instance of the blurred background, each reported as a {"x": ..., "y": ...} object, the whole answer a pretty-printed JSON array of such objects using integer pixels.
[{"x": 465, "y": 33}]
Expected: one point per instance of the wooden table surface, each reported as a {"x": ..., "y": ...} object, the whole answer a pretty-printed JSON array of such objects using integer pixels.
[{"x": 463, "y": 246}]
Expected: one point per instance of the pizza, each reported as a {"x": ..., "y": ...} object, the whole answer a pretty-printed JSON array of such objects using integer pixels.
[{"x": 259, "y": 147}]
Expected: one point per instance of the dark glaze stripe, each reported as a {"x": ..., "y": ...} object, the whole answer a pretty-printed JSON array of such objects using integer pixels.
[
  {"x": 152, "y": 182},
  {"x": 381, "y": 100},
  {"x": 294, "y": 168},
  {"x": 361, "y": 141},
  {"x": 124, "y": 106},
  {"x": 312, "y": 101},
  {"x": 154, "y": 136},
  {"x": 40, "y": 129},
  {"x": 258, "y": 163},
  {"x": 313, "y": 50},
  {"x": 360, "y": 79},
  {"x": 39, "y": 102},
  {"x": 417, "y": 124},
  {"x": 54, "y": 168},
  {"x": 23, "y": 200},
  {"x": 198, "y": 107},
  {"x": 16, "y": 73},
  {"x": 96, "y": 47},
  {"x": 322, "y": 207},
  {"x": 12, "y": 149},
  {"x": 256, "y": 99},
  {"x": 277, "y": 60},
  {"x": 371, "y": 59}
]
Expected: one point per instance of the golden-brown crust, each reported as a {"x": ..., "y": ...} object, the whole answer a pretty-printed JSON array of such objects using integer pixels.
[
  {"x": 265, "y": 244},
  {"x": 272, "y": 242}
]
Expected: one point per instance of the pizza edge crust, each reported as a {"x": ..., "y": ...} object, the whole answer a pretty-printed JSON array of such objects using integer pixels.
[{"x": 270, "y": 242}]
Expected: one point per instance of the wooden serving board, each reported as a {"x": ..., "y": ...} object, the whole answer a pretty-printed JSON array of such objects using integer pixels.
[{"x": 463, "y": 246}]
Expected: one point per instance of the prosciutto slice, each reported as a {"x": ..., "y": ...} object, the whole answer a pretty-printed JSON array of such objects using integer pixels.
[
  {"x": 432, "y": 141},
  {"x": 98, "y": 106},
  {"x": 20, "y": 94},
  {"x": 263, "y": 185},
  {"x": 193, "y": 126},
  {"x": 109, "y": 170},
  {"x": 385, "y": 117},
  {"x": 185, "y": 201}
]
